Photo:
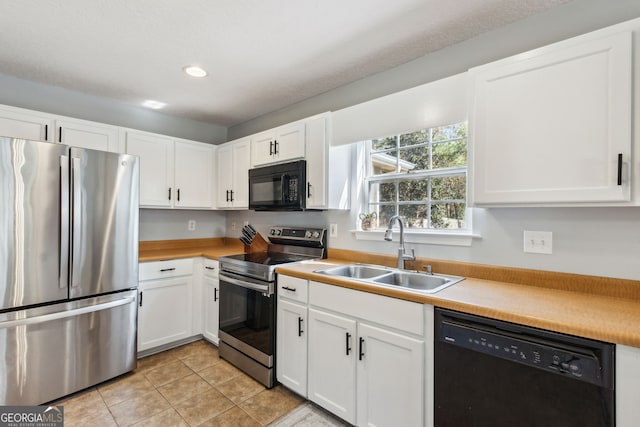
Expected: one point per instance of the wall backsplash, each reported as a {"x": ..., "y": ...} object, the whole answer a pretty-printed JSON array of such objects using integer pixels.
[
  {"x": 166, "y": 224},
  {"x": 594, "y": 241}
]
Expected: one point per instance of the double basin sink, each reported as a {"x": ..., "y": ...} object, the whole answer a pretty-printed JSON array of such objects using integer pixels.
[{"x": 394, "y": 278}]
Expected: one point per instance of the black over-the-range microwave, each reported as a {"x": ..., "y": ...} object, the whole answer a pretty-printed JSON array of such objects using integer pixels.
[{"x": 279, "y": 187}]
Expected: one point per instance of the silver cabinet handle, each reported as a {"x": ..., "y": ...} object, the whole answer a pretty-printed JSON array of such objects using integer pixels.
[{"x": 289, "y": 289}]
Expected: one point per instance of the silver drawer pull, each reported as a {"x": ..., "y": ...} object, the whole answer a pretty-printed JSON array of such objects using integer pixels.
[
  {"x": 210, "y": 268},
  {"x": 167, "y": 269},
  {"x": 289, "y": 289}
]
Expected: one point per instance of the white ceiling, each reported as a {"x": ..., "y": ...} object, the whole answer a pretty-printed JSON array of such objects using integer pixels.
[{"x": 261, "y": 55}]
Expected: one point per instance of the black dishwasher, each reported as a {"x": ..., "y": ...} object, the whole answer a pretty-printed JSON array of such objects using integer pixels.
[{"x": 494, "y": 373}]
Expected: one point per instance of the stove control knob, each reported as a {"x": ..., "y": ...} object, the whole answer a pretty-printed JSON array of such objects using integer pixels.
[
  {"x": 307, "y": 234},
  {"x": 272, "y": 231},
  {"x": 316, "y": 234},
  {"x": 278, "y": 232}
]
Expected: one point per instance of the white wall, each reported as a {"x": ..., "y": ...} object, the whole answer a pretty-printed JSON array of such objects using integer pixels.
[
  {"x": 56, "y": 100},
  {"x": 594, "y": 241},
  {"x": 561, "y": 22},
  {"x": 160, "y": 224}
]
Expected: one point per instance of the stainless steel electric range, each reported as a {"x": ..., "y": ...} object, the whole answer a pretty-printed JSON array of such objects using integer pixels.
[{"x": 248, "y": 300}]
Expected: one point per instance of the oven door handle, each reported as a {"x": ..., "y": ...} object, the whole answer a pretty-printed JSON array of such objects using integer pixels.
[{"x": 254, "y": 286}]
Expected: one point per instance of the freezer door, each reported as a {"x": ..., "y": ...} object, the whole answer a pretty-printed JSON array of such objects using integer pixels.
[
  {"x": 33, "y": 246},
  {"x": 104, "y": 222},
  {"x": 51, "y": 351}
]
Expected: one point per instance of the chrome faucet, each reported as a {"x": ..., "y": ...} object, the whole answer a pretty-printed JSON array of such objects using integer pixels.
[{"x": 402, "y": 255}]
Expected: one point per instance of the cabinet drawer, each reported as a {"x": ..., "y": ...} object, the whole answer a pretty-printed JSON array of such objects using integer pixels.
[
  {"x": 293, "y": 288},
  {"x": 168, "y": 268},
  {"x": 391, "y": 312},
  {"x": 211, "y": 267}
]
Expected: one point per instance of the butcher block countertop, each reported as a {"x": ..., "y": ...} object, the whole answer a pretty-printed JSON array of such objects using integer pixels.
[
  {"x": 159, "y": 250},
  {"x": 594, "y": 307}
]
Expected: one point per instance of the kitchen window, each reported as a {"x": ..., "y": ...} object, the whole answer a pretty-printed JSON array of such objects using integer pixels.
[{"x": 422, "y": 176}]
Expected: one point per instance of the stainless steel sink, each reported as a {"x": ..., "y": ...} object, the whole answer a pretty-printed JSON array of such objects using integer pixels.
[
  {"x": 355, "y": 271},
  {"x": 393, "y": 278},
  {"x": 428, "y": 283}
]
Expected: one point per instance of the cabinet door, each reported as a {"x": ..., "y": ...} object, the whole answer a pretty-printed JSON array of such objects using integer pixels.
[
  {"x": 83, "y": 134},
  {"x": 291, "y": 346},
  {"x": 262, "y": 148},
  {"x": 210, "y": 308},
  {"x": 241, "y": 163},
  {"x": 164, "y": 312},
  {"x": 193, "y": 174},
  {"x": 317, "y": 158},
  {"x": 156, "y": 168},
  {"x": 549, "y": 126},
  {"x": 332, "y": 359},
  {"x": 19, "y": 123},
  {"x": 290, "y": 141},
  {"x": 390, "y": 378},
  {"x": 225, "y": 175}
]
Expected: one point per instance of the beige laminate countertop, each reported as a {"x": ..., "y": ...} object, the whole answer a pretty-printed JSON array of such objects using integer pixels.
[{"x": 608, "y": 318}]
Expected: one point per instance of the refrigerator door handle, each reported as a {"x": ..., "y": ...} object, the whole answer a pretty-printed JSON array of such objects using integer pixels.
[
  {"x": 63, "y": 256},
  {"x": 76, "y": 220},
  {"x": 66, "y": 313}
]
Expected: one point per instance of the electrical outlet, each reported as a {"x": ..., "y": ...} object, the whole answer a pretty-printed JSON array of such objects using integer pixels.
[
  {"x": 191, "y": 225},
  {"x": 333, "y": 230},
  {"x": 246, "y": 223},
  {"x": 538, "y": 242},
  {"x": 233, "y": 226}
]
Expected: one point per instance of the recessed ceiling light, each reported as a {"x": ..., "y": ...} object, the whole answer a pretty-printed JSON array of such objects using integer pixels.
[
  {"x": 195, "y": 71},
  {"x": 156, "y": 105}
]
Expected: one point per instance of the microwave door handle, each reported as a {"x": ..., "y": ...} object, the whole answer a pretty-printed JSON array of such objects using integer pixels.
[{"x": 283, "y": 179}]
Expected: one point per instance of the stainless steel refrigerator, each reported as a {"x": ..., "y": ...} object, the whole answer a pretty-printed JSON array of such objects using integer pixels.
[{"x": 68, "y": 268}]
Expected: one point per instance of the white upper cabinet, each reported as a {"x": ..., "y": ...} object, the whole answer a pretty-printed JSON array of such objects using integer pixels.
[
  {"x": 194, "y": 180},
  {"x": 278, "y": 145},
  {"x": 233, "y": 174},
  {"x": 156, "y": 167},
  {"x": 26, "y": 124},
  {"x": 326, "y": 190},
  {"x": 84, "y": 134},
  {"x": 173, "y": 173},
  {"x": 553, "y": 126}
]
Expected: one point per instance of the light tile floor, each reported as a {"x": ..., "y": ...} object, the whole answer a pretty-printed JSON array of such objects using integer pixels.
[{"x": 185, "y": 386}]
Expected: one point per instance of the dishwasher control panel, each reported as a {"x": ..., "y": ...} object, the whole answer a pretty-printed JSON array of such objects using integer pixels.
[{"x": 522, "y": 346}]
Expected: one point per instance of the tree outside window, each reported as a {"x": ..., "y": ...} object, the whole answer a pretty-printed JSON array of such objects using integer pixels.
[{"x": 421, "y": 176}]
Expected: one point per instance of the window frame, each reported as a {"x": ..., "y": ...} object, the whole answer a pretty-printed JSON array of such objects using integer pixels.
[{"x": 459, "y": 236}]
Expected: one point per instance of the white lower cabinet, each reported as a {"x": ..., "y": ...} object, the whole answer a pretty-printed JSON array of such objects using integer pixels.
[
  {"x": 390, "y": 378},
  {"x": 332, "y": 363},
  {"x": 292, "y": 333},
  {"x": 164, "y": 302},
  {"x": 627, "y": 386},
  {"x": 291, "y": 346},
  {"x": 210, "y": 300},
  {"x": 366, "y": 356}
]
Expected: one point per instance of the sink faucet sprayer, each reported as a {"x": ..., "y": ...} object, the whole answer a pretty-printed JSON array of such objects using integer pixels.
[{"x": 402, "y": 255}]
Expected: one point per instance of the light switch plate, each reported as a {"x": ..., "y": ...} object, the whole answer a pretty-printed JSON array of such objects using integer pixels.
[
  {"x": 538, "y": 242},
  {"x": 333, "y": 230}
]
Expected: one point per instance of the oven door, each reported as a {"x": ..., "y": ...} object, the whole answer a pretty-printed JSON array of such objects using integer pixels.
[{"x": 247, "y": 316}]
